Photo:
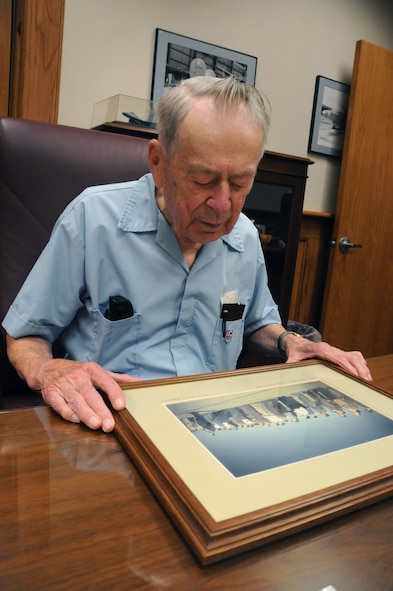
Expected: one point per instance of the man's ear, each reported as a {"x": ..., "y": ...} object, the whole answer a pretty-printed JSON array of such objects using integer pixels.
[{"x": 156, "y": 161}]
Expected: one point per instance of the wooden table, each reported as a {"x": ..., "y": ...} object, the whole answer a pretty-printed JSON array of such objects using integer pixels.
[{"x": 75, "y": 515}]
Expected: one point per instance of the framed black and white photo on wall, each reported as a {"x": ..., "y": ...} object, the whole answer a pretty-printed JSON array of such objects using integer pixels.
[
  {"x": 329, "y": 117},
  {"x": 177, "y": 57}
]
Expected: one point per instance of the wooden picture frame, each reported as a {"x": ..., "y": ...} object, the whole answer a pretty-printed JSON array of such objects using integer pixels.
[
  {"x": 177, "y": 57},
  {"x": 329, "y": 117},
  {"x": 332, "y": 468}
]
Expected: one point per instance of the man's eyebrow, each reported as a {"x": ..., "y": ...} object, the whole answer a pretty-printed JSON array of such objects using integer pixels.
[
  {"x": 205, "y": 170},
  {"x": 201, "y": 168},
  {"x": 249, "y": 172}
]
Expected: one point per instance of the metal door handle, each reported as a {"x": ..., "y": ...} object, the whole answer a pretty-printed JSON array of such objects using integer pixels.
[{"x": 345, "y": 244}]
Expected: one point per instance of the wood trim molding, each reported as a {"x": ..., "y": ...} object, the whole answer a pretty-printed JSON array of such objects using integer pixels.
[
  {"x": 5, "y": 54},
  {"x": 311, "y": 267}
]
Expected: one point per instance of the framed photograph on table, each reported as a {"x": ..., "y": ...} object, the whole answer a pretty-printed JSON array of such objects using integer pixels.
[
  {"x": 329, "y": 117},
  {"x": 177, "y": 57},
  {"x": 239, "y": 459}
]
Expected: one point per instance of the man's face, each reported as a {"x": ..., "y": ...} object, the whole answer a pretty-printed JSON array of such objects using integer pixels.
[{"x": 204, "y": 184}]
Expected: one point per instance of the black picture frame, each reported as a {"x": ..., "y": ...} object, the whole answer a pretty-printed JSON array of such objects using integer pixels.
[
  {"x": 329, "y": 116},
  {"x": 177, "y": 57}
]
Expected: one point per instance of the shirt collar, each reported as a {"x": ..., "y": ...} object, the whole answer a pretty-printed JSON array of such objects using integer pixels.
[{"x": 140, "y": 213}]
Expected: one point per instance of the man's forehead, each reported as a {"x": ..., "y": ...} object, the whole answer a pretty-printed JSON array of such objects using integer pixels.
[{"x": 207, "y": 106}]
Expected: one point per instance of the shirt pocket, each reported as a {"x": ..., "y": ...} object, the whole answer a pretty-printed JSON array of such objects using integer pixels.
[
  {"x": 115, "y": 343},
  {"x": 226, "y": 345}
]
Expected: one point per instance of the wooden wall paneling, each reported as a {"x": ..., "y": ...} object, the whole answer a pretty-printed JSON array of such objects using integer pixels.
[
  {"x": 311, "y": 267},
  {"x": 297, "y": 298},
  {"x": 5, "y": 54},
  {"x": 36, "y": 59}
]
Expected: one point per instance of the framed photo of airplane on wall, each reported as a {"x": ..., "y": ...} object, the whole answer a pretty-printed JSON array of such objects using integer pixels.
[
  {"x": 177, "y": 57},
  {"x": 240, "y": 459},
  {"x": 329, "y": 117}
]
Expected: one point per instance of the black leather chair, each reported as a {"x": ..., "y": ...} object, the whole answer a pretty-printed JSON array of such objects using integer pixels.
[{"x": 42, "y": 168}]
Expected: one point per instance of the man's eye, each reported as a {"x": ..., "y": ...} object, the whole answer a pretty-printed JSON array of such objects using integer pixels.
[
  {"x": 203, "y": 183},
  {"x": 238, "y": 186}
]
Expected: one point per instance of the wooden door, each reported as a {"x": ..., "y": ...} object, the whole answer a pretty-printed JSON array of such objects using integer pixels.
[{"x": 358, "y": 304}]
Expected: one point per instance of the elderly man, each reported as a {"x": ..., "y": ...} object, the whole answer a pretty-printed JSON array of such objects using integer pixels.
[{"x": 159, "y": 277}]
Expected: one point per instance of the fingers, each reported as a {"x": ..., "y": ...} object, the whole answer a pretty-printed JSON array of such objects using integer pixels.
[
  {"x": 118, "y": 402},
  {"x": 355, "y": 363},
  {"x": 351, "y": 361},
  {"x": 75, "y": 397}
]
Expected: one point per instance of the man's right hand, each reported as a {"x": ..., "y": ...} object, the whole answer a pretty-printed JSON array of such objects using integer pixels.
[{"x": 69, "y": 387}]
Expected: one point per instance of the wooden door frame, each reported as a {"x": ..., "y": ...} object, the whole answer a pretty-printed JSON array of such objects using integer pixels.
[
  {"x": 5, "y": 54},
  {"x": 34, "y": 37}
]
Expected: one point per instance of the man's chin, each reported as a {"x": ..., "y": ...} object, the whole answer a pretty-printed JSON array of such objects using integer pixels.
[
  {"x": 204, "y": 232},
  {"x": 205, "y": 237}
]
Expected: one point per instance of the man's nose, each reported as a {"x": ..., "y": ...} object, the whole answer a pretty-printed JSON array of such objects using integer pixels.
[{"x": 220, "y": 200}]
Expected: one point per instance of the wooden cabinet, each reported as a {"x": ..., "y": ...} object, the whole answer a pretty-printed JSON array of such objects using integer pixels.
[{"x": 275, "y": 204}]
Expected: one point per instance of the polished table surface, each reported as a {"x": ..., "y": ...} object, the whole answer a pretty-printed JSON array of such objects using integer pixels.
[{"x": 75, "y": 515}]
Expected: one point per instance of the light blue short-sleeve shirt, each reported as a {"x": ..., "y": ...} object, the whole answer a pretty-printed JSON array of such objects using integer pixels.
[{"x": 113, "y": 240}]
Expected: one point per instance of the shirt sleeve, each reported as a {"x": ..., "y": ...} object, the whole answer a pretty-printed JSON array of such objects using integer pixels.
[{"x": 51, "y": 295}]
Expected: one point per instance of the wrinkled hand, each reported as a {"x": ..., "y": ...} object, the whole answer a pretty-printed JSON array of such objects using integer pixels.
[
  {"x": 70, "y": 388},
  {"x": 299, "y": 349}
]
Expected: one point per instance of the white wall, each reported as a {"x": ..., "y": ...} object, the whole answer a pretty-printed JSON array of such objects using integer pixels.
[{"x": 108, "y": 49}]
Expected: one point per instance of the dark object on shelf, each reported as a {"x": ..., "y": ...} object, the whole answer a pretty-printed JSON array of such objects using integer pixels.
[{"x": 134, "y": 120}]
